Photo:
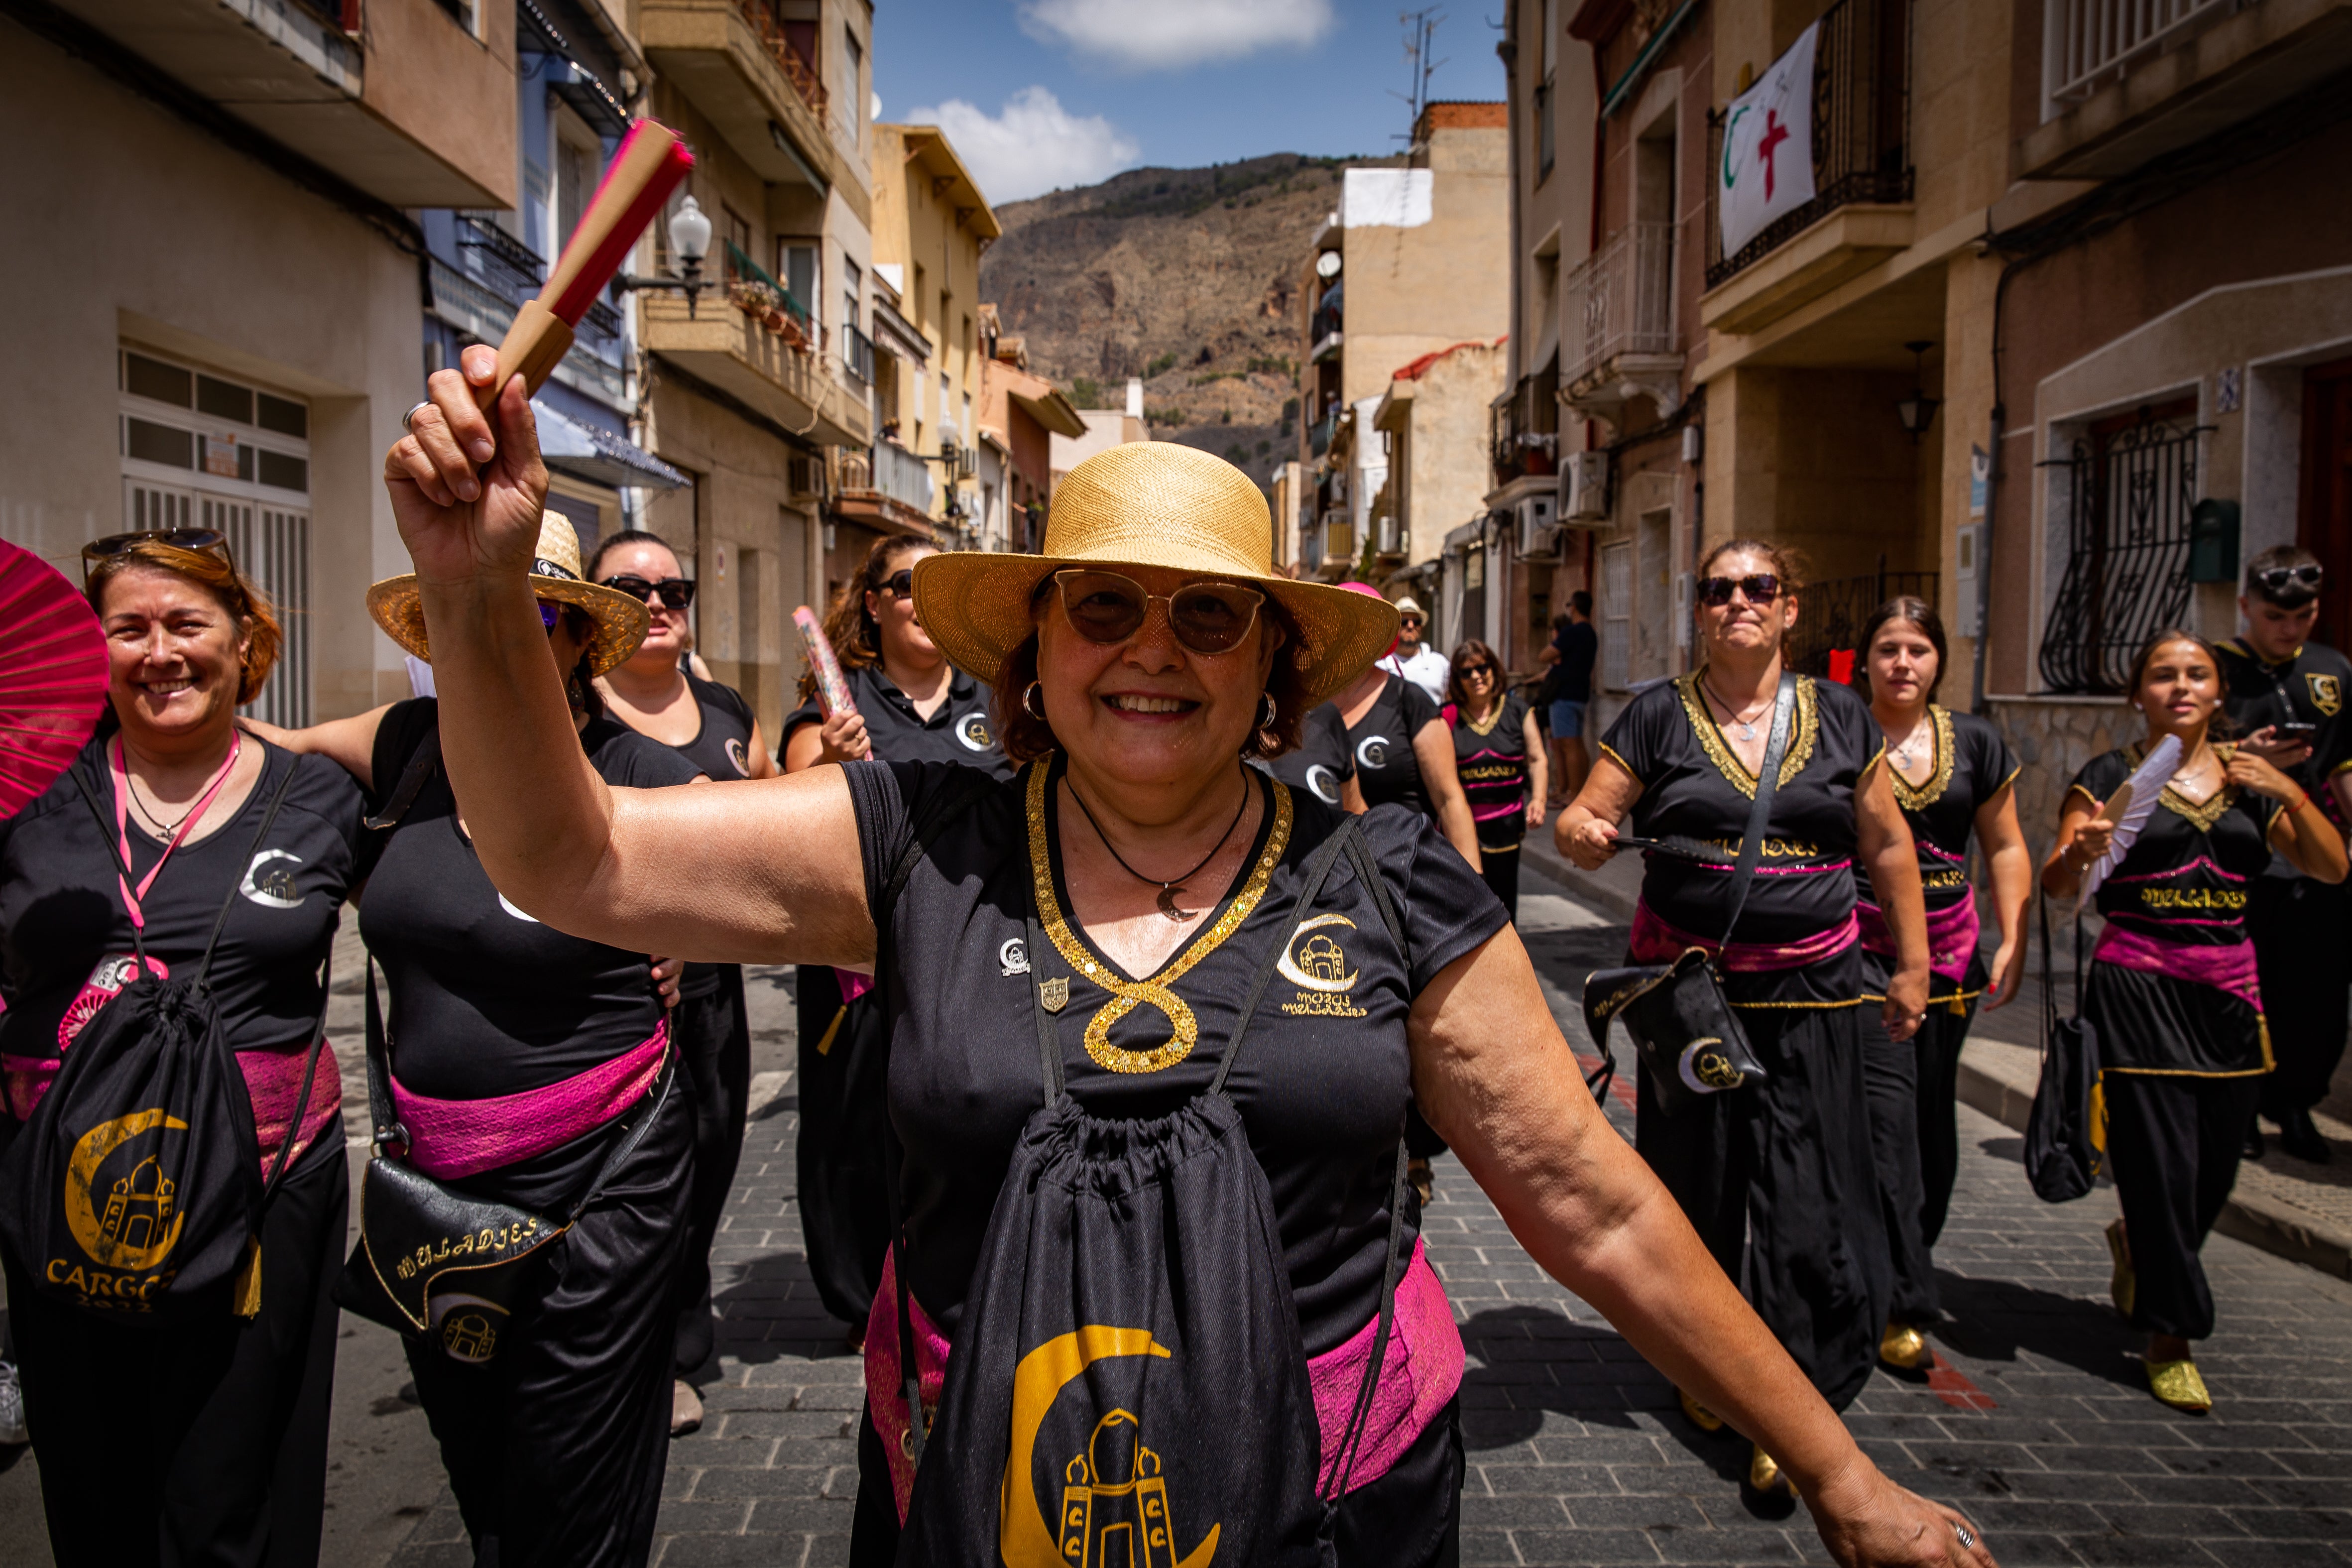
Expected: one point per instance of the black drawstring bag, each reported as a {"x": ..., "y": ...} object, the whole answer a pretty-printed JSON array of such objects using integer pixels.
[
  {"x": 2064, "y": 1131},
  {"x": 1683, "y": 1027},
  {"x": 135, "y": 1192},
  {"x": 1128, "y": 1382}
]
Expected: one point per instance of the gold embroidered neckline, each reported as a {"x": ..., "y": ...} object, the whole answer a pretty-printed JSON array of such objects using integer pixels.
[
  {"x": 1494, "y": 718},
  {"x": 1920, "y": 797},
  {"x": 1126, "y": 995},
  {"x": 1719, "y": 751},
  {"x": 2201, "y": 814}
]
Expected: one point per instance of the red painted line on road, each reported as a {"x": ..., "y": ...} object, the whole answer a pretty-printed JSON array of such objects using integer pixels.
[
  {"x": 1952, "y": 1386},
  {"x": 1620, "y": 1090}
]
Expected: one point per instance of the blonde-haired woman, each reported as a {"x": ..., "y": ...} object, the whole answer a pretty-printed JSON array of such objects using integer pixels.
[{"x": 1090, "y": 938}]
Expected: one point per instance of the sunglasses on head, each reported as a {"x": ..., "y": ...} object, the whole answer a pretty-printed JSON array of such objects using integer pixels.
[
  {"x": 1107, "y": 607},
  {"x": 2279, "y": 578},
  {"x": 1761, "y": 588},
  {"x": 98, "y": 550},
  {"x": 677, "y": 593}
]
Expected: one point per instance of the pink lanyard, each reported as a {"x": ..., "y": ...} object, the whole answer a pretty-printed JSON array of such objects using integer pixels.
[{"x": 187, "y": 823}]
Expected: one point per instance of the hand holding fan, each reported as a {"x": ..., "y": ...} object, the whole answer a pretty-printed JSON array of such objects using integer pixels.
[
  {"x": 2129, "y": 809},
  {"x": 52, "y": 675},
  {"x": 831, "y": 687},
  {"x": 648, "y": 168}
]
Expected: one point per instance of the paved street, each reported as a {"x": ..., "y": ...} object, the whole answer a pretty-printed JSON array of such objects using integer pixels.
[{"x": 2038, "y": 1423}]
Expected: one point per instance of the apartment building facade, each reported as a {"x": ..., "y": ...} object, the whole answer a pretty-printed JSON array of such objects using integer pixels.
[
  {"x": 232, "y": 335},
  {"x": 1412, "y": 264},
  {"x": 1019, "y": 415}
]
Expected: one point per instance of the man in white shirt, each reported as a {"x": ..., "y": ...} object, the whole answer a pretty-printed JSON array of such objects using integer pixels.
[{"x": 1424, "y": 667}]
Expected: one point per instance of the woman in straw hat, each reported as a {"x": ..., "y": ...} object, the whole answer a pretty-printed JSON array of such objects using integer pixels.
[
  {"x": 520, "y": 1058},
  {"x": 1154, "y": 1277}
]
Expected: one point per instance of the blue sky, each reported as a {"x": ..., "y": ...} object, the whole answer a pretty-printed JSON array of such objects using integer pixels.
[{"x": 1038, "y": 94}]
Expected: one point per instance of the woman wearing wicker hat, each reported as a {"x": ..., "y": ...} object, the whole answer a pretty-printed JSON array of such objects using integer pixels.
[
  {"x": 519, "y": 1061},
  {"x": 1154, "y": 1278}
]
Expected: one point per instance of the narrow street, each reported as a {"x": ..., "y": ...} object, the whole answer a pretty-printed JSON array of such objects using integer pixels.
[{"x": 2037, "y": 1423}]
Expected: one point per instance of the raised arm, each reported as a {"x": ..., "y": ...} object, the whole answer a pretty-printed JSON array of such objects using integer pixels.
[
  {"x": 2012, "y": 867},
  {"x": 1432, "y": 748},
  {"x": 752, "y": 871},
  {"x": 1494, "y": 1077},
  {"x": 1883, "y": 842},
  {"x": 2300, "y": 831}
]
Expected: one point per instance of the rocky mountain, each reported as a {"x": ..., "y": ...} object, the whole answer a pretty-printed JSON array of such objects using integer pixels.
[{"x": 1188, "y": 277}]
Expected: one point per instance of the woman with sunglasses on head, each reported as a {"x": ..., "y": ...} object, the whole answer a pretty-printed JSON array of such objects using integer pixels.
[
  {"x": 912, "y": 706},
  {"x": 1778, "y": 1172},
  {"x": 1073, "y": 1136},
  {"x": 655, "y": 693},
  {"x": 202, "y": 1439},
  {"x": 1951, "y": 774},
  {"x": 2173, "y": 991},
  {"x": 1499, "y": 754},
  {"x": 520, "y": 1059}
]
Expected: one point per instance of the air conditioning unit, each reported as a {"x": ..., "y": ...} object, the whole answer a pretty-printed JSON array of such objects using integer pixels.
[
  {"x": 1584, "y": 486},
  {"x": 1538, "y": 534}
]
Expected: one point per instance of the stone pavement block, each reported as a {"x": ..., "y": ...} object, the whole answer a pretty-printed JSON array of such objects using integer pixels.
[
  {"x": 702, "y": 1517},
  {"x": 1579, "y": 1546},
  {"x": 735, "y": 1552},
  {"x": 1659, "y": 1512},
  {"x": 412, "y": 1555},
  {"x": 811, "y": 1515},
  {"x": 1726, "y": 1546},
  {"x": 1569, "y": 1481},
  {"x": 2293, "y": 1524},
  {"x": 1493, "y": 1546}
]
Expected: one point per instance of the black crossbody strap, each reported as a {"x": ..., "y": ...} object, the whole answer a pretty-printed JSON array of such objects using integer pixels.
[
  {"x": 309, "y": 1075},
  {"x": 421, "y": 763},
  {"x": 1351, "y": 1436},
  {"x": 385, "y": 1127},
  {"x": 268, "y": 820},
  {"x": 1760, "y": 814}
]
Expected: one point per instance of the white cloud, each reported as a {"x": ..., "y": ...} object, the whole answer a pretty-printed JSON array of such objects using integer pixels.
[
  {"x": 1169, "y": 35},
  {"x": 1033, "y": 146}
]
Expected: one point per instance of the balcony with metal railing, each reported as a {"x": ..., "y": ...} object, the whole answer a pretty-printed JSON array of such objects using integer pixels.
[
  {"x": 1620, "y": 337},
  {"x": 754, "y": 73},
  {"x": 1863, "y": 176},
  {"x": 2090, "y": 43},
  {"x": 748, "y": 347},
  {"x": 902, "y": 476}
]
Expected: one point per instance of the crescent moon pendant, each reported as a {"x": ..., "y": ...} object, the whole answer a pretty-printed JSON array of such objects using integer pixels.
[{"x": 1167, "y": 891}]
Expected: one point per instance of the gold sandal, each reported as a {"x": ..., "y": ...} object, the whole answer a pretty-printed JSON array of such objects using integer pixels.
[
  {"x": 1906, "y": 1348},
  {"x": 2180, "y": 1385},
  {"x": 1698, "y": 1415},
  {"x": 1764, "y": 1474}
]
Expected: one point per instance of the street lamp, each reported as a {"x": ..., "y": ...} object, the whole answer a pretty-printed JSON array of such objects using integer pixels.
[
  {"x": 689, "y": 241},
  {"x": 1918, "y": 410}
]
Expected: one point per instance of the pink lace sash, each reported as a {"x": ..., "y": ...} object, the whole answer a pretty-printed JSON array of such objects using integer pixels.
[
  {"x": 1952, "y": 934},
  {"x": 1655, "y": 941},
  {"x": 448, "y": 1139},
  {"x": 272, "y": 1080},
  {"x": 1421, "y": 1370},
  {"x": 2226, "y": 967}
]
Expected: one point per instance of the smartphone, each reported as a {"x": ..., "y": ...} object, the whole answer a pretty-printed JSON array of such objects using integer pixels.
[{"x": 2295, "y": 729}]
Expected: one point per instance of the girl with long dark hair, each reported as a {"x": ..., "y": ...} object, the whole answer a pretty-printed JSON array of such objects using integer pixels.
[
  {"x": 1951, "y": 774},
  {"x": 2173, "y": 991}
]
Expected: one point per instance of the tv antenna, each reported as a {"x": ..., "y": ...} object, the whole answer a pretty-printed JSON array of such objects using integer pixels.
[{"x": 1420, "y": 34}]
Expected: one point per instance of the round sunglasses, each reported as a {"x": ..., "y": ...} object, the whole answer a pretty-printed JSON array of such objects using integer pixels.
[{"x": 1109, "y": 607}]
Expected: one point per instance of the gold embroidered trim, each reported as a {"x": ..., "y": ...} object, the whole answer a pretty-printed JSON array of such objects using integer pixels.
[
  {"x": 1718, "y": 750},
  {"x": 1488, "y": 727},
  {"x": 1127, "y": 995},
  {"x": 2201, "y": 814},
  {"x": 1929, "y": 794}
]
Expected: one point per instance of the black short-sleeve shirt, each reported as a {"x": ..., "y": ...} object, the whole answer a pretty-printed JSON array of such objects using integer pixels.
[
  {"x": 2185, "y": 877},
  {"x": 1493, "y": 766},
  {"x": 1323, "y": 1077},
  {"x": 959, "y": 731},
  {"x": 722, "y": 749},
  {"x": 61, "y": 905},
  {"x": 2312, "y": 688},
  {"x": 485, "y": 1000},
  {"x": 1322, "y": 763},
  {"x": 1386, "y": 769},
  {"x": 1694, "y": 786},
  {"x": 1973, "y": 764}
]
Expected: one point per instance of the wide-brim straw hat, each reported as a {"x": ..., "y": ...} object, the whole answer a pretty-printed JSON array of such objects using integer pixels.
[
  {"x": 555, "y": 575},
  {"x": 1148, "y": 504}
]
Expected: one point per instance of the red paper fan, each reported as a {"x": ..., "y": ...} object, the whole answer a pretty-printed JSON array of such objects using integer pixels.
[{"x": 52, "y": 675}]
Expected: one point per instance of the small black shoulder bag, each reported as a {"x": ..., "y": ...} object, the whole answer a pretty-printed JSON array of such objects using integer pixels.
[
  {"x": 1683, "y": 1027},
  {"x": 2062, "y": 1136}
]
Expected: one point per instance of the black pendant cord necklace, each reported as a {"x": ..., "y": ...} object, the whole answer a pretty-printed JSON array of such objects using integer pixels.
[
  {"x": 1174, "y": 885},
  {"x": 1747, "y": 726}
]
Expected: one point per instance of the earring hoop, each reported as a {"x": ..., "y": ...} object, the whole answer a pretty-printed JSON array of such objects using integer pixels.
[
  {"x": 1029, "y": 703},
  {"x": 1268, "y": 711}
]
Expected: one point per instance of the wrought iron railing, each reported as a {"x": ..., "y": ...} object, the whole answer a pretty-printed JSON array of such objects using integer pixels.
[
  {"x": 1861, "y": 127},
  {"x": 2130, "y": 492},
  {"x": 1523, "y": 429},
  {"x": 1622, "y": 298},
  {"x": 507, "y": 264},
  {"x": 1830, "y": 615},
  {"x": 761, "y": 16},
  {"x": 742, "y": 269},
  {"x": 2088, "y": 43}
]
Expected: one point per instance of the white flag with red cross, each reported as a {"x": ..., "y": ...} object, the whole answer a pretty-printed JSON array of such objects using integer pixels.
[{"x": 1768, "y": 147}]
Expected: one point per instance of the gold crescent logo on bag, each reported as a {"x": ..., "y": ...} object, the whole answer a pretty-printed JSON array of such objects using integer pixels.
[
  {"x": 134, "y": 1224},
  {"x": 2327, "y": 692},
  {"x": 1707, "y": 1068},
  {"x": 1115, "y": 1502}
]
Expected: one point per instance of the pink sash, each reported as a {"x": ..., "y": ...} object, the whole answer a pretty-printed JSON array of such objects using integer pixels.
[
  {"x": 1655, "y": 941},
  {"x": 1952, "y": 934},
  {"x": 2227, "y": 967},
  {"x": 272, "y": 1079},
  {"x": 448, "y": 1139},
  {"x": 1421, "y": 1370}
]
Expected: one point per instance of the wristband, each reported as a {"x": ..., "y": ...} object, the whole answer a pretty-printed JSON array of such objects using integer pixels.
[{"x": 2304, "y": 799}]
